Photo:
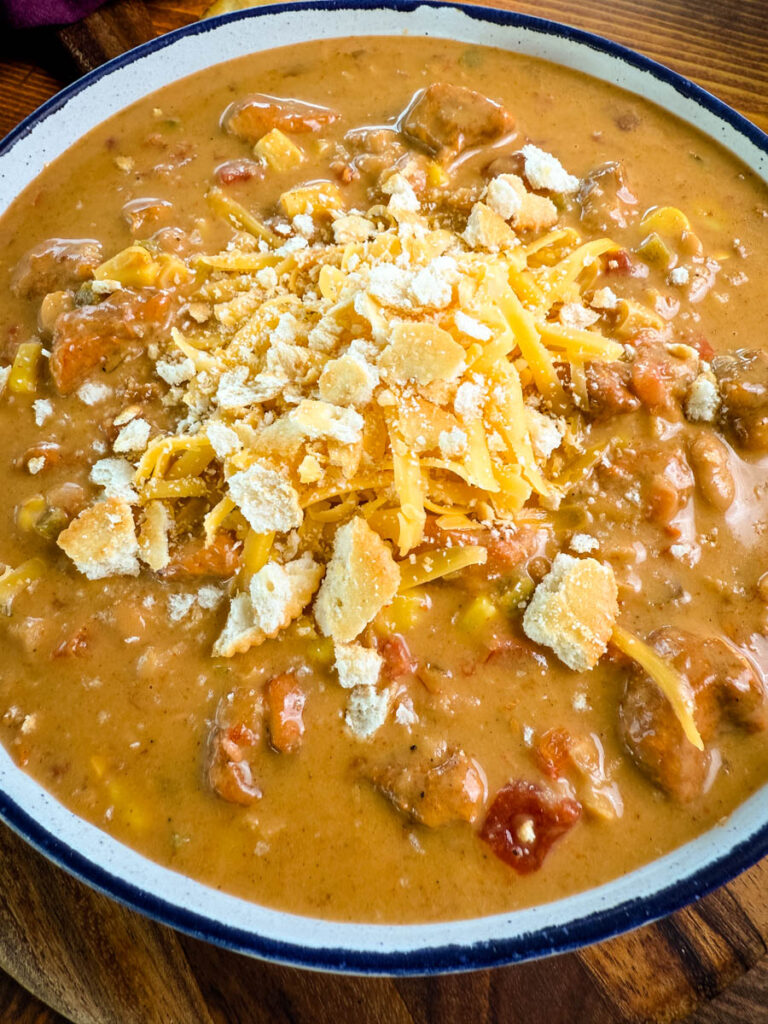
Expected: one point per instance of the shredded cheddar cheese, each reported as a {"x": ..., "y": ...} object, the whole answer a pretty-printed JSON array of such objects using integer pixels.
[{"x": 378, "y": 369}]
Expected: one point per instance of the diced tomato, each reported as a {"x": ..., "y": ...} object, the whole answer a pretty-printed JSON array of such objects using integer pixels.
[
  {"x": 220, "y": 558},
  {"x": 702, "y": 346},
  {"x": 74, "y": 645},
  {"x": 619, "y": 262},
  {"x": 398, "y": 660},
  {"x": 552, "y": 751},
  {"x": 524, "y": 821},
  {"x": 286, "y": 700}
]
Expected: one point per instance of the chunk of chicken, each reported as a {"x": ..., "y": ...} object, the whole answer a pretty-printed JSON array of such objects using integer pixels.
[
  {"x": 447, "y": 788},
  {"x": 56, "y": 264},
  {"x": 234, "y": 746},
  {"x": 448, "y": 119},
  {"x": 742, "y": 377},
  {"x": 605, "y": 198},
  {"x": 726, "y": 689},
  {"x": 90, "y": 337}
]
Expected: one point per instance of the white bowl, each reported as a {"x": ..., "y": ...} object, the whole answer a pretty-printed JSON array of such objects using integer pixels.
[{"x": 106, "y": 864}]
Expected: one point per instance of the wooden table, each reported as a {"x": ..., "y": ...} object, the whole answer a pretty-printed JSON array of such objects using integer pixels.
[{"x": 93, "y": 960}]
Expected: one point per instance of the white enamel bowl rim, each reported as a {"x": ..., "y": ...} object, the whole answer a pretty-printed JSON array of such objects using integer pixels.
[{"x": 104, "y": 863}]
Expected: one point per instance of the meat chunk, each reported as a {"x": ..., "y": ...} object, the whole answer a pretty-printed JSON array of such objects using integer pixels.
[
  {"x": 742, "y": 377},
  {"x": 258, "y": 114},
  {"x": 726, "y": 689},
  {"x": 368, "y": 151},
  {"x": 56, "y": 264},
  {"x": 605, "y": 199},
  {"x": 193, "y": 558},
  {"x": 446, "y": 788},
  {"x": 285, "y": 703},
  {"x": 524, "y": 821},
  {"x": 90, "y": 337},
  {"x": 447, "y": 119},
  {"x": 608, "y": 387},
  {"x": 235, "y": 744}
]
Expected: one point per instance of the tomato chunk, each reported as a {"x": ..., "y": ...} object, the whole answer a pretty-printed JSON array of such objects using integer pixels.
[
  {"x": 286, "y": 701},
  {"x": 398, "y": 660},
  {"x": 220, "y": 558},
  {"x": 524, "y": 821}
]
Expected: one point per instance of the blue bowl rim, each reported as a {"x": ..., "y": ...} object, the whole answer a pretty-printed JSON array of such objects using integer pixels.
[{"x": 595, "y": 927}]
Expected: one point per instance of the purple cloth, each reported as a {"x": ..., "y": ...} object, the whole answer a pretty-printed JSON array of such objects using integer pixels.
[{"x": 33, "y": 13}]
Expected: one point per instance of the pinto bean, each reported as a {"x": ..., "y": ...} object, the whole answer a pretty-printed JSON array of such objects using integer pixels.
[
  {"x": 234, "y": 747},
  {"x": 285, "y": 704},
  {"x": 709, "y": 459}
]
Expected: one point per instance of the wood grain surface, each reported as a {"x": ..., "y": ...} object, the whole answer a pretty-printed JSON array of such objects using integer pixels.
[{"x": 71, "y": 953}]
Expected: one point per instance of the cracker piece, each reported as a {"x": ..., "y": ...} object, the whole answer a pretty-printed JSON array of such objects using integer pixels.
[
  {"x": 133, "y": 437},
  {"x": 278, "y": 594},
  {"x": 544, "y": 171},
  {"x": 703, "y": 400},
  {"x": 101, "y": 541},
  {"x": 266, "y": 498},
  {"x": 348, "y": 380},
  {"x": 361, "y": 578},
  {"x": 367, "y": 710},
  {"x": 318, "y": 420},
  {"x": 421, "y": 352},
  {"x": 116, "y": 477},
  {"x": 487, "y": 230},
  {"x": 357, "y": 665},
  {"x": 573, "y": 610}
]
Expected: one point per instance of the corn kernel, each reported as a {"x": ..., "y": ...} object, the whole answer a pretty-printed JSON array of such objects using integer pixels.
[
  {"x": 25, "y": 368},
  {"x": 29, "y": 512},
  {"x": 436, "y": 175},
  {"x": 131, "y": 811},
  {"x": 402, "y": 614},
  {"x": 15, "y": 580},
  {"x": 320, "y": 198},
  {"x": 478, "y": 613},
  {"x": 279, "y": 151}
]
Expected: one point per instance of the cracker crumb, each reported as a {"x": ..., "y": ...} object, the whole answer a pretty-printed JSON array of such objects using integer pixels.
[
  {"x": 573, "y": 610},
  {"x": 101, "y": 541},
  {"x": 133, "y": 437},
  {"x": 357, "y": 665},
  {"x": 544, "y": 171}
]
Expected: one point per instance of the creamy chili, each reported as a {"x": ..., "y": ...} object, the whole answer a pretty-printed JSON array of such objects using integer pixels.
[{"x": 384, "y": 491}]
